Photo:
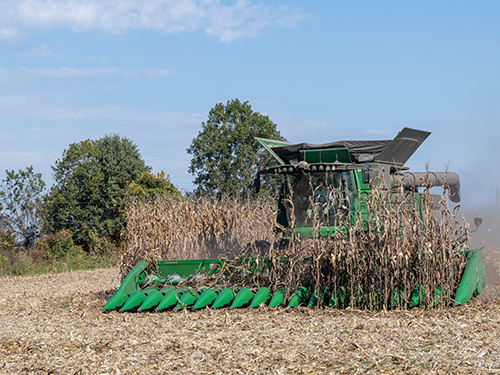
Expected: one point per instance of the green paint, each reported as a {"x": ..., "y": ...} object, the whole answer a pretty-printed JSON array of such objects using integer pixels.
[
  {"x": 137, "y": 298},
  {"x": 473, "y": 278},
  {"x": 224, "y": 298},
  {"x": 277, "y": 299},
  {"x": 262, "y": 296},
  {"x": 206, "y": 298},
  {"x": 171, "y": 299},
  {"x": 187, "y": 299},
  {"x": 300, "y": 296},
  {"x": 154, "y": 298},
  {"x": 243, "y": 297}
]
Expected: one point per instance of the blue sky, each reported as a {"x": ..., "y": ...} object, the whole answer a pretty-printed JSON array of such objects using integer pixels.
[{"x": 322, "y": 70}]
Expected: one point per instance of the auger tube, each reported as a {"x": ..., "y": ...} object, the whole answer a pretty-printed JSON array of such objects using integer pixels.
[{"x": 431, "y": 179}]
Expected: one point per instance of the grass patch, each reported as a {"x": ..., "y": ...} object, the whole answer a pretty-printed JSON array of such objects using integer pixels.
[
  {"x": 65, "y": 302},
  {"x": 15, "y": 262}
]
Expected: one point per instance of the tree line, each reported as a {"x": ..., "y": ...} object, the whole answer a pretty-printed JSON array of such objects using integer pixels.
[{"x": 94, "y": 180}]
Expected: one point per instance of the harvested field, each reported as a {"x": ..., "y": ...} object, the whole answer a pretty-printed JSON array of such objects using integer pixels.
[{"x": 52, "y": 324}]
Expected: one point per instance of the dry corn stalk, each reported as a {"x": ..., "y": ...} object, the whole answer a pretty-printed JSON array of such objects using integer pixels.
[
  {"x": 195, "y": 228},
  {"x": 374, "y": 260},
  {"x": 378, "y": 260}
]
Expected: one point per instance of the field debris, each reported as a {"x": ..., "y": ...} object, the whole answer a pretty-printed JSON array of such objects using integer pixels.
[{"x": 53, "y": 324}]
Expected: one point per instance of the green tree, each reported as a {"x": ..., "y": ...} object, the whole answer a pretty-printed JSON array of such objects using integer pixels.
[
  {"x": 89, "y": 193},
  {"x": 225, "y": 154},
  {"x": 149, "y": 185},
  {"x": 21, "y": 205}
]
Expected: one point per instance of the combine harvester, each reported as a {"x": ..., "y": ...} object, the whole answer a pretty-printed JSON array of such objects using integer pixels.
[{"x": 353, "y": 168}]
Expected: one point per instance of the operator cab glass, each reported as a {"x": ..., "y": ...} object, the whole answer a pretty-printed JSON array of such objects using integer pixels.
[{"x": 319, "y": 198}]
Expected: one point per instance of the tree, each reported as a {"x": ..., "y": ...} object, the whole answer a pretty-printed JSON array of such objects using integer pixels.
[
  {"x": 225, "y": 152},
  {"x": 89, "y": 193},
  {"x": 149, "y": 185},
  {"x": 21, "y": 205}
]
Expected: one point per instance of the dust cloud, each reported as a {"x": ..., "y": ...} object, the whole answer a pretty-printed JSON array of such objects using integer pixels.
[{"x": 487, "y": 238}]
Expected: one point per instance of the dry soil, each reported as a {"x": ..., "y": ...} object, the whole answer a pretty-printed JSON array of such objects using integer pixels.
[{"x": 52, "y": 324}]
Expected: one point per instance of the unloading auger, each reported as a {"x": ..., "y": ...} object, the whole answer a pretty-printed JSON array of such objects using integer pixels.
[{"x": 353, "y": 170}]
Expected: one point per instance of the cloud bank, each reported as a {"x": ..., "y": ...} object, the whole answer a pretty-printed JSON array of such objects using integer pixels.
[{"x": 227, "y": 21}]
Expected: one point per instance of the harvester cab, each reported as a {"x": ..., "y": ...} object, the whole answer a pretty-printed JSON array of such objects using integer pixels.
[
  {"x": 322, "y": 184},
  {"x": 323, "y": 187}
]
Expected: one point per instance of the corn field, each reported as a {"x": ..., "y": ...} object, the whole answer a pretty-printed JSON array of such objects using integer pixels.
[
  {"x": 195, "y": 228},
  {"x": 384, "y": 257},
  {"x": 398, "y": 248}
]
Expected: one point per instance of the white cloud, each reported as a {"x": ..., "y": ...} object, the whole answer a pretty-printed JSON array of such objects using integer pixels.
[
  {"x": 162, "y": 136},
  {"x": 388, "y": 133},
  {"x": 156, "y": 73},
  {"x": 68, "y": 72},
  {"x": 244, "y": 20},
  {"x": 486, "y": 45},
  {"x": 21, "y": 157},
  {"x": 119, "y": 114},
  {"x": 38, "y": 110},
  {"x": 41, "y": 51},
  {"x": 241, "y": 19},
  {"x": 7, "y": 33},
  {"x": 10, "y": 101}
]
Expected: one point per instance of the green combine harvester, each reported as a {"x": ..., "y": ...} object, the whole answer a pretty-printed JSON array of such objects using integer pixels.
[{"x": 352, "y": 169}]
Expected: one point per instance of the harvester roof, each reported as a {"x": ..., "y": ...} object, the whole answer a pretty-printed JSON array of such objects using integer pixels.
[
  {"x": 357, "y": 151},
  {"x": 395, "y": 152}
]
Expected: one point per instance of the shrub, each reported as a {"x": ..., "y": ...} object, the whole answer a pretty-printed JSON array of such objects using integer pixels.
[
  {"x": 58, "y": 245},
  {"x": 7, "y": 240}
]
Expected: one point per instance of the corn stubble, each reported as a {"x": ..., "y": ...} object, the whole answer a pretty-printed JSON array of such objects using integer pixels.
[{"x": 373, "y": 261}]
